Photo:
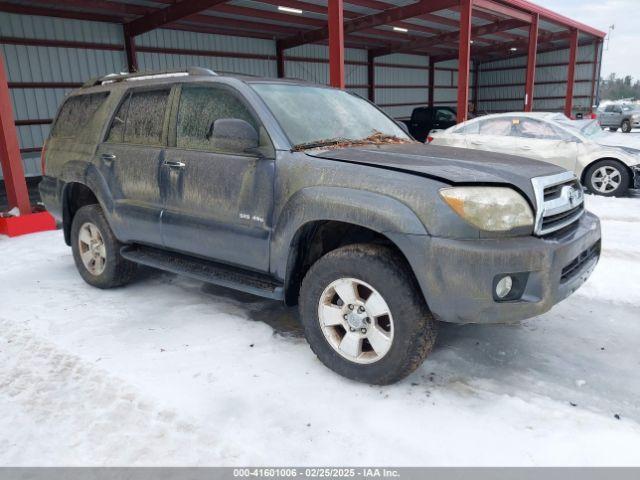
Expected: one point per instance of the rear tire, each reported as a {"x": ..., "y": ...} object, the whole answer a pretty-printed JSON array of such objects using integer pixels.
[
  {"x": 626, "y": 126},
  {"x": 608, "y": 178},
  {"x": 394, "y": 331},
  {"x": 96, "y": 251}
]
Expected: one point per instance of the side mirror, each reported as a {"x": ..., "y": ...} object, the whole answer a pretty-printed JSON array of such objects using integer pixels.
[{"x": 234, "y": 135}]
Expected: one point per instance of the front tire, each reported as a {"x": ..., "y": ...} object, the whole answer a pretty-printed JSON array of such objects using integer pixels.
[
  {"x": 96, "y": 251},
  {"x": 364, "y": 316},
  {"x": 608, "y": 178},
  {"x": 626, "y": 126}
]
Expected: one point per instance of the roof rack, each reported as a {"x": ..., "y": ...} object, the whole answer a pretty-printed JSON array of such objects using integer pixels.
[{"x": 138, "y": 76}]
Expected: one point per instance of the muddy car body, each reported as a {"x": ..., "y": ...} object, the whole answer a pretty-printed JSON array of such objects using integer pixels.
[{"x": 367, "y": 235}]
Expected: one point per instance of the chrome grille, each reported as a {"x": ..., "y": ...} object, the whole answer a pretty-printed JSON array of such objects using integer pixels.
[{"x": 560, "y": 202}]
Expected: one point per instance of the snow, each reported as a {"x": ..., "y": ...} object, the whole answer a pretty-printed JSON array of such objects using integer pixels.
[{"x": 169, "y": 371}]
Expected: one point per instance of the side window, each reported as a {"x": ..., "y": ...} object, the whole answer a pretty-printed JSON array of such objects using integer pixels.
[
  {"x": 496, "y": 126},
  {"x": 145, "y": 118},
  {"x": 529, "y": 128},
  {"x": 116, "y": 131},
  {"x": 421, "y": 115},
  {"x": 76, "y": 112},
  {"x": 198, "y": 110},
  {"x": 609, "y": 108},
  {"x": 445, "y": 115}
]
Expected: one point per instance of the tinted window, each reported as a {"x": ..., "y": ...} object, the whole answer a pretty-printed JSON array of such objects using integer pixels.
[
  {"x": 200, "y": 107},
  {"x": 421, "y": 115},
  {"x": 445, "y": 115},
  {"x": 609, "y": 108},
  {"x": 145, "y": 117},
  {"x": 116, "y": 131},
  {"x": 76, "y": 112}
]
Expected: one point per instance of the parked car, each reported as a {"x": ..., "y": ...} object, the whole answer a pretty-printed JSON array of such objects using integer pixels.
[
  {"x": 624, "y": 117},
  {"x": 313, "y": 196},
  {"x": 578, "y": 146},
  {"x": 425, "y": 119}
]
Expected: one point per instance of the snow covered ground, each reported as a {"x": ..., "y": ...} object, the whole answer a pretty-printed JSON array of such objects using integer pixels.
[{"x": 169, "y": 371}]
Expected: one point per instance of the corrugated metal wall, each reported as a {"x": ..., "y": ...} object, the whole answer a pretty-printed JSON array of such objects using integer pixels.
[{"x": 501, "y": 83}]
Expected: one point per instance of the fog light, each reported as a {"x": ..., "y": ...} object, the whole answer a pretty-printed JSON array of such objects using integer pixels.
[{"x": 503, "y": 287}]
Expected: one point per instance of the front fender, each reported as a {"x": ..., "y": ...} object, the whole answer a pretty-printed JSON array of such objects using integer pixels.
[{"x": 374, "y": 211}]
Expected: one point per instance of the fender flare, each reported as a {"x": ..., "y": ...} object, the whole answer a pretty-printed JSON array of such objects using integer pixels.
[{"x": 380, "y": 213}]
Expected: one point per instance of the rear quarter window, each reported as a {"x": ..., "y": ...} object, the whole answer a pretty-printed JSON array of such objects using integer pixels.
[{"x": 76, "y": 113}]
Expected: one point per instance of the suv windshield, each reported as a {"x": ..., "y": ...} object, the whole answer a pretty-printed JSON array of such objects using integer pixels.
[{"x": 316, "y": 116}]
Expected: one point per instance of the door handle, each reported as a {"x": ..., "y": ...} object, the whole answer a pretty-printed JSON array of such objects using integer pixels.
[
  {"x": 476, "y": 142},
  {"x": 108, "y": 158},
  {"x": 174, "y": 164},
  {"x": 525, "y": 147}
]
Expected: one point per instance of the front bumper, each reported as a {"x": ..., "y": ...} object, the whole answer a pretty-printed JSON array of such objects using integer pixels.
[{"x": 459, "y": 279}]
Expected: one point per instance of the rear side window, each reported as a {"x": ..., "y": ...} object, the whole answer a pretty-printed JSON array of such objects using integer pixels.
[
  {"x": 445, "y": 115},
  {"x": 76, "y": 113},
  {"x": 140, "y": 118}
]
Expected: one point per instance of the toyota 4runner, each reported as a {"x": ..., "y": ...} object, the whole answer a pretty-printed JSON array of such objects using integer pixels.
[{"x": 312, "y": 195}]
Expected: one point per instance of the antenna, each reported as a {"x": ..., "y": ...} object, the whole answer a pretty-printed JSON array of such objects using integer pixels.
[{"x": 611, "y": 29}]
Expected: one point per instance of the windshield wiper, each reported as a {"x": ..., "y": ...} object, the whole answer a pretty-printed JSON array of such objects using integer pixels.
[{"x": 323, "y": 143}]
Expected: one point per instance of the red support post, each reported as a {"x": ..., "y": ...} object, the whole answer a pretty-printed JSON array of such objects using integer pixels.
[
  {"x": 336, "y": 43},
  {"x": 464, "y": 59},
  {"x": 571, "y": 72},
  {"x": 531, "y": 63},
  {"x": 432, "y": 80},
  {"x": 10, "y": 159},
  {"x": 280, "y": 59},
  {"x": 130, "y": 50}
]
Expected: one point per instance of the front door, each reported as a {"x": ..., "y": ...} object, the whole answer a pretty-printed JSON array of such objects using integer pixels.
[
  {"x": 129, "y": 160},
  {"x": 219, "y": 202},
  {"x": 541, "y": 141}
]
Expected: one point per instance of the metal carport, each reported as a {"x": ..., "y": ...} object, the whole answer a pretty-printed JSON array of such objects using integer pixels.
[{"x": 497, "y": 54}]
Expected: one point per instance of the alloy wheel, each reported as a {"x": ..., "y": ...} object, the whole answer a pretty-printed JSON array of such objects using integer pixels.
[
  {"x": 92, "y": 248},
  {"x": 606, "y": 179},
  {"x": 356, "y": 320}
]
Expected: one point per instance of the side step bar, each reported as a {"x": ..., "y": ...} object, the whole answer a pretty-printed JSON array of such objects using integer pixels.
[{"x": 204, "y": 270}]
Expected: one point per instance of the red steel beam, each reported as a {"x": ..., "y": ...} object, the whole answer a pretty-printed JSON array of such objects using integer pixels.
[
  {"x": 571, "y": 72},
  {"x": 369, "y": 21},
  {"x": 531, "y": 64},
  {"x": 451, "y": 37},
  {"x": 504, "y": 10},
  {"x": 466, "y": 7},
  {"x": 10, "y": 159},
  {"x": 594, "y": 73},
  {"x": 554, "y": 17},
  {"x": 56, "y": 12},
  {"x": 336, "y": 43},
  {"x": 170, "y": 14}
]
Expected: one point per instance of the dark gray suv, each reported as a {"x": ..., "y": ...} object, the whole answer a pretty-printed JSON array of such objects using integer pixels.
[{"x": 312, "y": 195}]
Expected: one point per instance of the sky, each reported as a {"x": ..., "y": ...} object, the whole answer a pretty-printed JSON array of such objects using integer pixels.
[{"x": 622, "y": 56}]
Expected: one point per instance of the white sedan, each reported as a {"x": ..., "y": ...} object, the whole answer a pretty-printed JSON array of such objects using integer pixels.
[{"x": 603, "y": 165}]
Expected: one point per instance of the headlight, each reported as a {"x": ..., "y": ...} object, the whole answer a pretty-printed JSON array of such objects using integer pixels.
[{"x": 494, "y": 209}]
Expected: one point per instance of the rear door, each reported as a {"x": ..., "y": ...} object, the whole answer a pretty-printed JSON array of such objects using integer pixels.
[
  {"x": 220, "y": 201},
  {"x": 129, "y": 160}
]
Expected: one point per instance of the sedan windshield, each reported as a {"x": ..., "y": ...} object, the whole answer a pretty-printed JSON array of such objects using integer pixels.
[{"x": 316, "y": 116}]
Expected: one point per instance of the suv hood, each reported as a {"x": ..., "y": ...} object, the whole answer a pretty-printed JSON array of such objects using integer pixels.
[{"x": 448, "y": 164}]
